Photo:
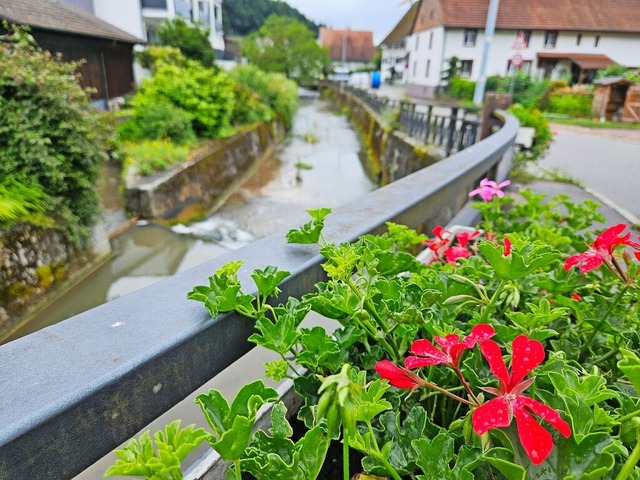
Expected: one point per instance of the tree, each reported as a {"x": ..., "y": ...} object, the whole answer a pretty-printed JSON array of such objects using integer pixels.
[
  {"x": 283, "y": 45},
  {"x": 192, "y": 40},
  {"x": 452, "y": 71}
]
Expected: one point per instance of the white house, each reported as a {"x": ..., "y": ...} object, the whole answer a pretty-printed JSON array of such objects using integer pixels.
[
  {"x": 394, "y": 47},
  {"x": 562, "y": 38}
]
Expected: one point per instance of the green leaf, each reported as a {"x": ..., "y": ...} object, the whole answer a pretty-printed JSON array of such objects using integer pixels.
[
  {"x": 502, "y": 460},
  {"x": 318, "y": 348},
  {"x": 278, "y": 336},
  {"x": 267, "y": 280},
  {"x": 309, "y": 232},
  {"x": 233, "y": 424},
  {"x": 434, "y": 459},
  {"x": 276, "y": 369},
  {"x": 630, "y": 366},
  {"x": 591, "y": 388},
  {"x": 280, "y": 427},
  {"x": 525, "y": 257},
  {"x": 174, "y": 445},
  {"x": 223, "y": 292},
  {"x": 371, "y": 402}
]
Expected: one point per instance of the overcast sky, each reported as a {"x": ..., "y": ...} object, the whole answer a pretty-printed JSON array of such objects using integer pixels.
[{"x": 380, "y": 16}]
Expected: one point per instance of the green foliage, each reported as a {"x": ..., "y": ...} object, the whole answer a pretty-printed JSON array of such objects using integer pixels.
[
  {"x": 154, "y": 56},
  {"x": 153, "y": 156},
  {"x": 531, "y": 117},
  {"x": 191, "y": 39},
  {"x": 232, "y": 425},
  {"x": 48, "y": 132},
  {"x": 575, "y": 104},
  {"x": 21, "y": 202},
  {"x": 283, "y": 45},
  {"x": 614, "y": 70},
  {"x": 140, "y": 459},
  {"x": 242, "y": 17},
  {"x": 158, "y": 121},
  {"x": 205, "y": 96},
  {"x": 527, "y": 91},
  {"x": 451, "y": 71},
  {"x": 461, "y": 88}
]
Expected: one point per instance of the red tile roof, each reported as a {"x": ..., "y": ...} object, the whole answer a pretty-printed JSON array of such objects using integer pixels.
[
  {"x": 51, "y": 15},
  {"x": 622, "y": 16},
  {"x": 358, "y": 44},
  {"x": 583, "y": 60}
]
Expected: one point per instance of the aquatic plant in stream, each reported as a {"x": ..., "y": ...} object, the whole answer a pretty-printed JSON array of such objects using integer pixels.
[{"x": 446, "y": 403}]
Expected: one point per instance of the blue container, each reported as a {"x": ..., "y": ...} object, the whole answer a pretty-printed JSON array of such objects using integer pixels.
[{"x": 375, "y": 80}]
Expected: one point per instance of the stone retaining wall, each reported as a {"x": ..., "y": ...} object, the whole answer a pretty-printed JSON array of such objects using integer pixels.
[
  {"x": 203, "y": 183},
  {"x": 33, "y": 261},
  {"x": 392, "y": 154}
]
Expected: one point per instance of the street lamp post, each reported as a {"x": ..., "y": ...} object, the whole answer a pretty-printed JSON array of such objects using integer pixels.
[{"x": 489, "y": 30}]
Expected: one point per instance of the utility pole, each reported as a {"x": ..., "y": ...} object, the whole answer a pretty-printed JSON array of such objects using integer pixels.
[{"x": 489, "y": 30}]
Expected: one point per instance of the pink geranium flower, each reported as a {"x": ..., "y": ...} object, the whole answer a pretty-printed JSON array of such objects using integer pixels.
[
  {"x": 489, "y": 188},
  {"x": 602, "y": 249},
  {"x": 451, "y": 351},
  {"x": 509, "y": 402}
]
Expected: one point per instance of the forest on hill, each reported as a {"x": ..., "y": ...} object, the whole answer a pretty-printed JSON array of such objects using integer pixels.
[{"x": 241, "y": 17}]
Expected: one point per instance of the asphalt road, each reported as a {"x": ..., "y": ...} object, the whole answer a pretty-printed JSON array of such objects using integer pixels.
[{"x": 608, "y": 168}]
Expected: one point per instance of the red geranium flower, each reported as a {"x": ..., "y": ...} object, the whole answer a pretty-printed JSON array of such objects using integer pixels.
[
  {"x": 441, "y": 242},
  {"x": 507, "y": 246},
  {"x": 460, "y": 250},
  {"x": 602, "y": 249},
  {"x": 452, "y": 348},
  {"x": 397, "y": 376},
  {"x": 498, "y": 412}
]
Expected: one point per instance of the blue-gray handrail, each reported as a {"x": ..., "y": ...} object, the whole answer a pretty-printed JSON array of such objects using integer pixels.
[{"x": 74, "y": 391}]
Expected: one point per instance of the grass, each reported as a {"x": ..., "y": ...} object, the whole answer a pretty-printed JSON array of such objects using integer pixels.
[
  {"x": 153, "y": 156},
  {"x": 585, "y": 122},
  {"x": 311, "y": 138}
]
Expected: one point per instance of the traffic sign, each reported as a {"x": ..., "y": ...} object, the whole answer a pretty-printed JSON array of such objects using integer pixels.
[
  {"x": 520, "y": 43},
  {"x": 516, "y": 60}
]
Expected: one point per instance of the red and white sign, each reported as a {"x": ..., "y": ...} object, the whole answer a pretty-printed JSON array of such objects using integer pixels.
[
  {"x": 516, "y": 60},
  {"x": 520, "y": 43}
]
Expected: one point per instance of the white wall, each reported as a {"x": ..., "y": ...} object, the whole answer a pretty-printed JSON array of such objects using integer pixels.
[
  {"x": 623, "y": 49},
  {"x": 426, "y": 49},
  {"x": 393, "y": 56},
  {"x": 124, "y": 14}
]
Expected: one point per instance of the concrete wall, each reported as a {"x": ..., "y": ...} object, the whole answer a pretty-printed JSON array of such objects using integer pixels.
[
  {"x": 33, "y": 261},
  {"x": 202, "y": 184},
  {"x": 391, "y": 154}
]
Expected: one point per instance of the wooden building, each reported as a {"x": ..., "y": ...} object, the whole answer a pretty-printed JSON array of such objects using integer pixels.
[
  {"x": 617, "y": 99},
  {"x": 106, "y": 51}
]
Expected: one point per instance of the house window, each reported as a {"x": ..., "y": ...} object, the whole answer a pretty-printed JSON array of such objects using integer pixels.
[
  {"x": 470, "y": 37},
  {"x": 430, "y": 40},
  {"x": 578, "y": 39},
  {"x": 597, "y": 41},
  {"x": 428, "y": 68},
  {"x": 415, "y": 68},
  {"x": 527, "y": 36},
  {"x": 417, "y": 41},
  {"x": 465, "y": 68},
  {"x": 527, "y": 65},
  {"x": 183, "y": 8},
  {"x": 550, "y": 39},
  {"x": 154, "y": 4}
]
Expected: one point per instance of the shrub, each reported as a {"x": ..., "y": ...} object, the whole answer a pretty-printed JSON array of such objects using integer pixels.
[
  {"x": 248, "y": 106},
  {"x": 278, "y": 92},
  {"x": 153, "y": 156},
  {"x": 48, "y": 132},
  {"x": 531, "y": 117},
  {"x": 155, "y": 55},
  {"x": 527, "y": 91},
  {"x": 461, "y": 88},
  {"x": 158, "y": 121},
  {"x": 204, "y": 95},
  {"x": 574, "y": 102}
]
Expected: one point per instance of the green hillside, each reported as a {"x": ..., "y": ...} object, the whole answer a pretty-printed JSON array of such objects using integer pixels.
[{"x": 242, "y": 17}]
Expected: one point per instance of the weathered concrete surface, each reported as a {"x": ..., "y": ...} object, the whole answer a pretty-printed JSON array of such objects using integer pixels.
[
  {"x": 392, "y": 153},
  {"x": 201, "y": 184}
]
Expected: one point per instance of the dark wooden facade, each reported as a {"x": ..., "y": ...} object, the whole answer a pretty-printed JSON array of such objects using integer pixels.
[{"x": 107, "y": 66}]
